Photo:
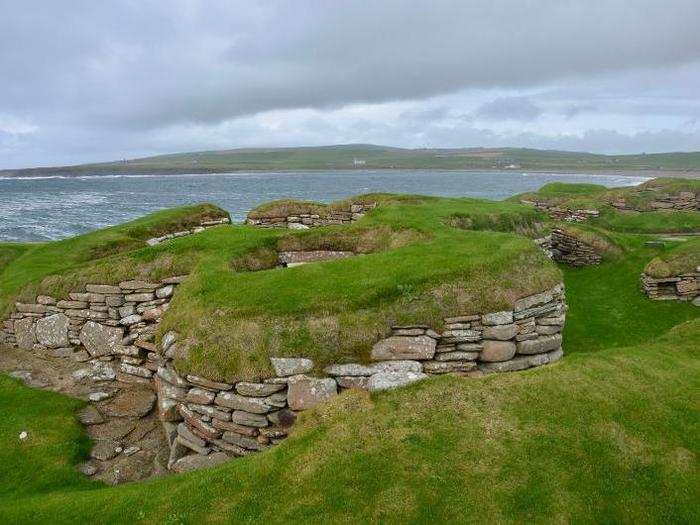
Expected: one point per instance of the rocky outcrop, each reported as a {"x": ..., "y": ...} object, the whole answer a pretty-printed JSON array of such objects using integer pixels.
[
  {"x": 303, "y": 221},
  {"x": 682, "y": 287},
  {"x": 183, "y": 233}
]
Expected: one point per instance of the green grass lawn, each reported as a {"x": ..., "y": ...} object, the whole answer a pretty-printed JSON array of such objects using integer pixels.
[{"x": 609, "y": 434}]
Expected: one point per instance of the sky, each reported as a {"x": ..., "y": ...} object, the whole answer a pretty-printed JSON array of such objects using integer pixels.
[{"x": 86, "y": 81}]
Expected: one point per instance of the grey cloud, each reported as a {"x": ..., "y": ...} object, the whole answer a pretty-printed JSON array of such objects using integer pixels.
[
  {"x": 148, "y": 64},
  {"x": 509, "y": 108}
]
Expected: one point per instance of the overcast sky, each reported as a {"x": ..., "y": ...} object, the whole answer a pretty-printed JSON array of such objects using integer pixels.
[{"x": 98, "y": 80}]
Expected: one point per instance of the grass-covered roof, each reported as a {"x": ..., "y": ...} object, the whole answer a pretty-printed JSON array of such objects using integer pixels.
[
  {"x": 641, "y": 216},
  {"x": 420, "y": 259}
]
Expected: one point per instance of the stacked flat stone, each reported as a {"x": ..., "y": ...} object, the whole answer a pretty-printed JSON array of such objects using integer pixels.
[
  {"x": 682, "y": 201},
  {"x": 310, "y": 220},
  {"x": 561, "y": 213},
  {"x": 568, "y": 249},
  {"x": 205, "y": 225},
  {"x": 106, "y": 323},
  {"x": 682, "y": 287},
  {"x": 208, "y": 421}
]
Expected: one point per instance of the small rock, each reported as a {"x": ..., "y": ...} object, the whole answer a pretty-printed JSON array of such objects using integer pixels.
[
  {"x": 88, "y": 469},
  {"x": 98, "y": 396}
]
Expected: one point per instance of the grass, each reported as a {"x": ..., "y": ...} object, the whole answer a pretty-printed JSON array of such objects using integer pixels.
[
  {"x": 682, "y": 258},
  {"x": 609, "y": 434}
]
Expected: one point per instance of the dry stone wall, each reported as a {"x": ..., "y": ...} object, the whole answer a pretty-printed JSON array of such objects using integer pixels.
[
  {"x": 683, "y": 287},
  {"x": 198, "y": 229},
  {"x": 565, "y": 248},
  {"x": 354, "y": 212},
  {"x": 111, "y": 329},
  {"x": 682, "y": 201},
  {"x": 561, "y": 213}
]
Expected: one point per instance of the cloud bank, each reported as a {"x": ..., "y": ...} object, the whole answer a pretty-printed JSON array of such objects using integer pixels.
[{"x": 94, "y": 80}]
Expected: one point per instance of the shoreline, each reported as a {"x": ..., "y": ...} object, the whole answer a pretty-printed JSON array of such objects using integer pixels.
[{"x": 574, "y": 171}]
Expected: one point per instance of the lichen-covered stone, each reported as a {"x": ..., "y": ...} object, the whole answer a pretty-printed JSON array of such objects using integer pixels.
[
  {"x": 100, "y": 340},
  {"x": 388, "y": 380},
  {"x": 501, "y": 332},
  {"x": 307, "y": 392},
  {"x": 400, "y": 348},
  {"x": 495, "y": 351},
  {"x": 495, "y": 318},
  {"x": 542, "y": 344},
  {"x": 25, "y": 333},
  {"x": 52, "y": 331},
  {"x": 289, "y": 366}
]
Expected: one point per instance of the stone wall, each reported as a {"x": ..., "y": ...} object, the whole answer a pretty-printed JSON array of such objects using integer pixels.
[
  {"x": 354, "y": 212},
  {"x": 568, "y": 249},
  {"x": 682, "y": 201},
  {"x": 112, "y": 329},
  {"x": 203, "y": 226},
  {"x": 683, "y": 287},
  {"x": 102, "y": 322},
  {"x": 561, "y": 213}
]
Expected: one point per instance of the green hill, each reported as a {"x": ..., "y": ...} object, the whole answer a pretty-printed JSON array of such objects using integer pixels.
[{"x": 365, "y": 156}]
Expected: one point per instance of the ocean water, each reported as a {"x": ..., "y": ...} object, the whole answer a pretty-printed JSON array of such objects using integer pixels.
[{"x": 47, "y": 208}]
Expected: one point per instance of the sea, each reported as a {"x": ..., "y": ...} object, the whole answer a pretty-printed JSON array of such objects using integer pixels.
[{"x": 55, "y": 207}]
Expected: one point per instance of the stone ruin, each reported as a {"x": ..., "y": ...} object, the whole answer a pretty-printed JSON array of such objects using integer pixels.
[
  {"x": 109, "y": 333},
  {"x": 302, "y": 221},
  {"x": 682, "y": 287}
]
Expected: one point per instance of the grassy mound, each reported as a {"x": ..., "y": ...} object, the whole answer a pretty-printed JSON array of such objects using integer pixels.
[
  {"x": 683, "y": 258},
  {"x": 412, "y": 266},
  {"x": 643, "y": 220}
]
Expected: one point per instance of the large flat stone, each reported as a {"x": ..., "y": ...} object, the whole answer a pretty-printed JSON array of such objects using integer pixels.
[
  {"x": 100, "y": 340},
  {"x": 400, "y": 348},
  {"x": 388, "y": 380},
  {"x": 25, "y": 333},
  {"x": 257, "y": 389},
  {"x": 52, "y": 331},
  {"x": 501, "y": 332},
  {"x": 494, "y": 318},
  {"x": 198, "y": 462},
  {"x": 307, "y": 392},
  {"x": 254, "y": 405},
  {"x": 495, "y": 351},
  {"x": 290, "y": 366},
  {"x": 542, "y": 344},
  {"x": 135, "y": 402}
]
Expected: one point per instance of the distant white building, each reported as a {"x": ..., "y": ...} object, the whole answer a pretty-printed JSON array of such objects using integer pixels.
[{"x": 358, "y": 162}]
